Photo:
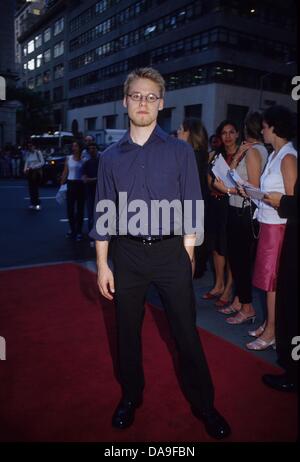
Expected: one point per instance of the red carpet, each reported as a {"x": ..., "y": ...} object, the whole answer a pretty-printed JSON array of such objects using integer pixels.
[{"x": 57, "y": 383}]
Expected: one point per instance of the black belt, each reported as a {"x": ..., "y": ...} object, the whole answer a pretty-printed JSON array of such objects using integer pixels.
[{"x": 149, "y": 240}]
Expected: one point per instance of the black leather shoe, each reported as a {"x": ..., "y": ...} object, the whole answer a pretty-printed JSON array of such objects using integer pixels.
[
  {"x": 215, "y": 425},
  {"x": 279, "y": 382},
  {"x": 124, "y": 414}
]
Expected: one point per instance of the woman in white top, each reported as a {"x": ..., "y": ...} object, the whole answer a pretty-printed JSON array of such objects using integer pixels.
[
  {"x": 280, "y": 174},
  {"x": 249, "y": 163},
  {"x": 75, "y": 191},
  {"x": 34, "y": 162}
]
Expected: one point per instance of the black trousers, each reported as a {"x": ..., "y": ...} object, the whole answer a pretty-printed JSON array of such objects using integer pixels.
[
  {"x": 287, "y": 303},
  {"x": 75, "y": 205},
  {"x": 241, "y": 245},
  {"x": 34, "y": 181},
  {"x": 166, "y": 264}
]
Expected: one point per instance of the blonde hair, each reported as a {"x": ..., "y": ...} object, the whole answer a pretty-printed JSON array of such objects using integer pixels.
[{"x": 145, "y": 73}]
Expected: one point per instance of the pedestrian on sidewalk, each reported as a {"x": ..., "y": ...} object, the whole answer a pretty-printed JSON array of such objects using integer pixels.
[
  {"x": 34, "y": 162},
  {"x": 72, "y": 173},
  {"x": 89, "y": 176}
]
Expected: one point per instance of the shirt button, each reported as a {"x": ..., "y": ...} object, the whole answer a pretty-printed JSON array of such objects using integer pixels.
[{"x": 143, "y": 166}]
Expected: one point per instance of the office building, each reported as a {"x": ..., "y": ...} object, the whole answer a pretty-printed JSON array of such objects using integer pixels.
[
  {"x": 7, "y": 74},
  {"x": 220, "y": 58}
]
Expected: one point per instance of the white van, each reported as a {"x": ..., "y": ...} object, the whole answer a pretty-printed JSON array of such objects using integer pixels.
[{"x": 107, "y": 136}]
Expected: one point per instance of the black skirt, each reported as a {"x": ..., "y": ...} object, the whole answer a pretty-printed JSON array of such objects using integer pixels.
[{"x": 216, "y": 225}]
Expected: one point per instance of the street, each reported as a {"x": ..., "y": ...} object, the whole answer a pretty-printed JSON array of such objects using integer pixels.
[{"x": 29, "y": 237}]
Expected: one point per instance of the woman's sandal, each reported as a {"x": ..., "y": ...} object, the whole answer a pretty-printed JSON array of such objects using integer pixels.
[
  {"x": 229, "y": 310},
  {"x": 210, "y": 296},
  {"x": 222, "y": 302},
  {"x": 241, "y": 318},
  {"x": 257, "y": 332}
]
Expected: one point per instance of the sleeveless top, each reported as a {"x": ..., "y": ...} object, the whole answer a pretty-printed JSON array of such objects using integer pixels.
[
  {"x": 235, "y": 200},
  {"x": 74, "y": 168},
  {"x": 272, "y": 180}
]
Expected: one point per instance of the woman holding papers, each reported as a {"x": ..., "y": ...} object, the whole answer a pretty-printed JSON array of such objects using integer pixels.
[
  {"x": 248, "y": 163},
  {"x": 279, "y": 175},
  {"x": 217, "y": 217},
  {"x": 287, "y": 307}
]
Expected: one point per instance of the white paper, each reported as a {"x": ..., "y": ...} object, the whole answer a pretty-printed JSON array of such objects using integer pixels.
[
  {"x": 222, "y": 171},
  {"x": 254, "y": 193}
]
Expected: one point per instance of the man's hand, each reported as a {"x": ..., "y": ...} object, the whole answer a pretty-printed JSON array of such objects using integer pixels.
[
  {"x": 189, "y": 245},
  {"x": 106, "y": 282},
  {"x": 273, "y": 198}
]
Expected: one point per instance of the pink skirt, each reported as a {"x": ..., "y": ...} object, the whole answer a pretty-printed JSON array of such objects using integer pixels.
[{"x": 268, "y": 256}]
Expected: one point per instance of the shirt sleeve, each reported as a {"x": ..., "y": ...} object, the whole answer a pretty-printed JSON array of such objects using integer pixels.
[
  {"x": 105, "y": 195},
  {"x": 191, "y": 195}
]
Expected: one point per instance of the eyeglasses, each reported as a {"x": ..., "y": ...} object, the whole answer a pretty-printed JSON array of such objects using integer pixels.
[{"x": 138, "y": 97}]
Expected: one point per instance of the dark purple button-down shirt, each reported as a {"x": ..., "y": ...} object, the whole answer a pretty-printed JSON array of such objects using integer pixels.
[{"x": 163, "y": 168}]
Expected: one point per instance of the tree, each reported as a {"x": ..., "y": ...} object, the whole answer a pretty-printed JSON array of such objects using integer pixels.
[{"x": 33, "y": 113}]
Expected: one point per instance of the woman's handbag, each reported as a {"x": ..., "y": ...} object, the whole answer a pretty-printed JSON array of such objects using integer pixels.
[{"x": 61, "y": 195}]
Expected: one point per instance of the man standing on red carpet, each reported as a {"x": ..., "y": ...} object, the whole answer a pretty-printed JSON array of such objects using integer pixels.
[{"x": 148, "y": 170}]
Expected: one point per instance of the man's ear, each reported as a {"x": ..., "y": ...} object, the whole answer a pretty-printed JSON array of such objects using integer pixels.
[
  {"x": 125, "y": 102},
  {"x": 161, "y": 105}
]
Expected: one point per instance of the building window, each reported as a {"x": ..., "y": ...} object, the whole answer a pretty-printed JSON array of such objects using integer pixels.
[
  {"x": 31, "y": 65},
  {"x": 47, "y": 34},
  {"x": 25, "y": 67},
  {"x": 58, "y": 71},
  {"x": 47, "y": 76},
  {"x": 24, "y": 51},
  {"x": 39, "y": 60},
  {"x": 30, "y": 48},
  {"x": 38, "y": 80},
  {"x": 38, "y": 41},
  {"x": 90, "y": 123},
  {"x": 58, "y": 49},
  {"x": 194, "y": 110},
  {"x": 31, "y": 84},
  {"x": 237, "y": 114},
  {"x": 101, "y": 6},
  {"x": 47, "y": 55},
  {"x": 58, "y": 26},
  {"x": 110, "y": 121}
]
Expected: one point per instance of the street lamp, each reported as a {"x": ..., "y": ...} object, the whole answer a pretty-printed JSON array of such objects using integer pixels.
[{"x": 262, "y": 78}]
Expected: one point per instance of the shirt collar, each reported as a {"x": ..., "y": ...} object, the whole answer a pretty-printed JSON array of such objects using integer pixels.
[{"x": 157, "y": 132}]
